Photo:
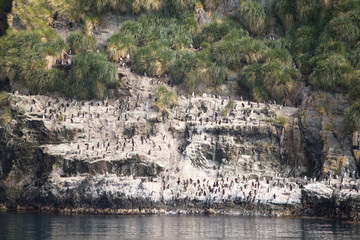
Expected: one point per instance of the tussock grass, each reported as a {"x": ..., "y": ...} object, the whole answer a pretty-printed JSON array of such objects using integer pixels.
[
  {"x": 355, "y": 87},
  {"x": 5, "y": 115},
  {"x": 80, "y": 43},
  {"x": 23, "y": 58},
  {"x": 253, "y": 17},
  {"x": 352, "y": 117},
  {"x": 309, "y": 10},
  {"x": 286, "y": 11},
  {"x": 119, "y": 45},
  {"x": 91, "y": 75},
  {"x": 153, "y": 59},
  {"x": 332, "y": 72},
  {"x": 304, "y": 39},
  {"x": 183, "y": 63},
  {"x": 165, "y": 98},
  {"x": 272, "y": 80},
  {"x": 3, "y": 98},
  {"x": 282, "y": 121},
  {"x": 234, "y": 54}
]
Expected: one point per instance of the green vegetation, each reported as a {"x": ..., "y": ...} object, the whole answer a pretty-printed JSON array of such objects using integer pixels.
[
  {"x": 119, "y": 45},
  {"x": 355, "y": 87},
  {"x": 5, "y": 110},
  {"x": 253, "y": 16},
  {"x": 137, "y": 6},
  {"x": 5, "y": 115},
  {"x": 165, "y": 98},
  {"x": 3, "y": 98},
  {"x": 329, "y": 127},
  {"x": 332, "y": 72},
  {"x": 235, "y": 54},
  {"x": 153, "y": 59},
  {"x": 27, "y": 57},
  {"x": 321, "y": 109},
  {"x": 80, "y": 43},
  {"x": 282, "y": 121},
  {"x": 91, "y": 75},
  {"x": 316, "y": 41},
  {"x": 352, "y": 117}
]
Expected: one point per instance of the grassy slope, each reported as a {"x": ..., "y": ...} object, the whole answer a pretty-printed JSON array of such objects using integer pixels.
[{"x": 320, "y": 38}]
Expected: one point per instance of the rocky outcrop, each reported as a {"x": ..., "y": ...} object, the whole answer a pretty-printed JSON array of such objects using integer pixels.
[
  {"x": 208, "y": 154},
  {"x": 227, "y": 7},
  {"x": 202, "y": 17},
  {"x": 341, "y": 202},
  {"x": 329, "y": 144}
]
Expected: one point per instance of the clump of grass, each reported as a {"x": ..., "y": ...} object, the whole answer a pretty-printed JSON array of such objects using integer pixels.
[
  {"x": 272, "y": 80},
  {"x": 183, "y": 63},
  {"x": 178, "y": 7},
  {"x": 282, "y": 121},
  {"x": 5, "y": 110},
  {"x": 355, "y": 87},
  {"x": 279, "y": 79},
  {"x": 352, "y": 117},
  {"x": 309, "y": 10},
  {"x": 32, "y": 14},
  {"x": 229, "y": 29},
  {"x": 321, "y": 109},
  {"x": 342, "y": 28},
  {"x": 285, "y": 10},
  {"x": 80, "y": 43},
  {"x": 165, "y": 98},
  {"x": 61, "y": 117},
  {"x": 119, "y": 45},
  {"x": 229, "y": 107},
  {"x": 5, "y": 115},
  {"x": 356, "y": 58},
  {"x": 234, "y": 54},
  {"x": 91, "y": 75},
  {"x": 329, "y": 127},
  {"x": 278, "y": 54},
  {"x": 23, "y": 57},
  {"x": 205, "y": 71},
  {"x": 253, "y": 16},
  {"x": 332, "y": 72},
  {"x": 251, "y": 77},
  {"x": 153, "y": 59},
  {"x": 4, "y": 96},
  {"x": 304, "y": 39}
]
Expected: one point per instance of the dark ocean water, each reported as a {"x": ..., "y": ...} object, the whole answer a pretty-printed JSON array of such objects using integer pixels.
[{"x": 41, "y": 226}]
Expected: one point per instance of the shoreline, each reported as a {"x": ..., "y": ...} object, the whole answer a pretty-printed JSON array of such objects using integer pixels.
[{"x": 159, "y": 212}]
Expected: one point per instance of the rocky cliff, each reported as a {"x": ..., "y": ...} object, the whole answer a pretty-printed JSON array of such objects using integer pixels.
[
  {"x": 208, "y": 154},
  {"x": 211, "y": 153}
]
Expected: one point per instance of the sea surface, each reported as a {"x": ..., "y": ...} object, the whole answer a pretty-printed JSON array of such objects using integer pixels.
[{"x": 46, "y": 226}]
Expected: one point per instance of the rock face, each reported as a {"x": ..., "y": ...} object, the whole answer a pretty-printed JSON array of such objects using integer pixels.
[
  {"x": 335, "y": 199},
  {"x": 329, "y": 144},
  {"x": 227, "y": 7},
  {"x": 209, "y": 152},
  {"x": 202, "y": 17}
]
